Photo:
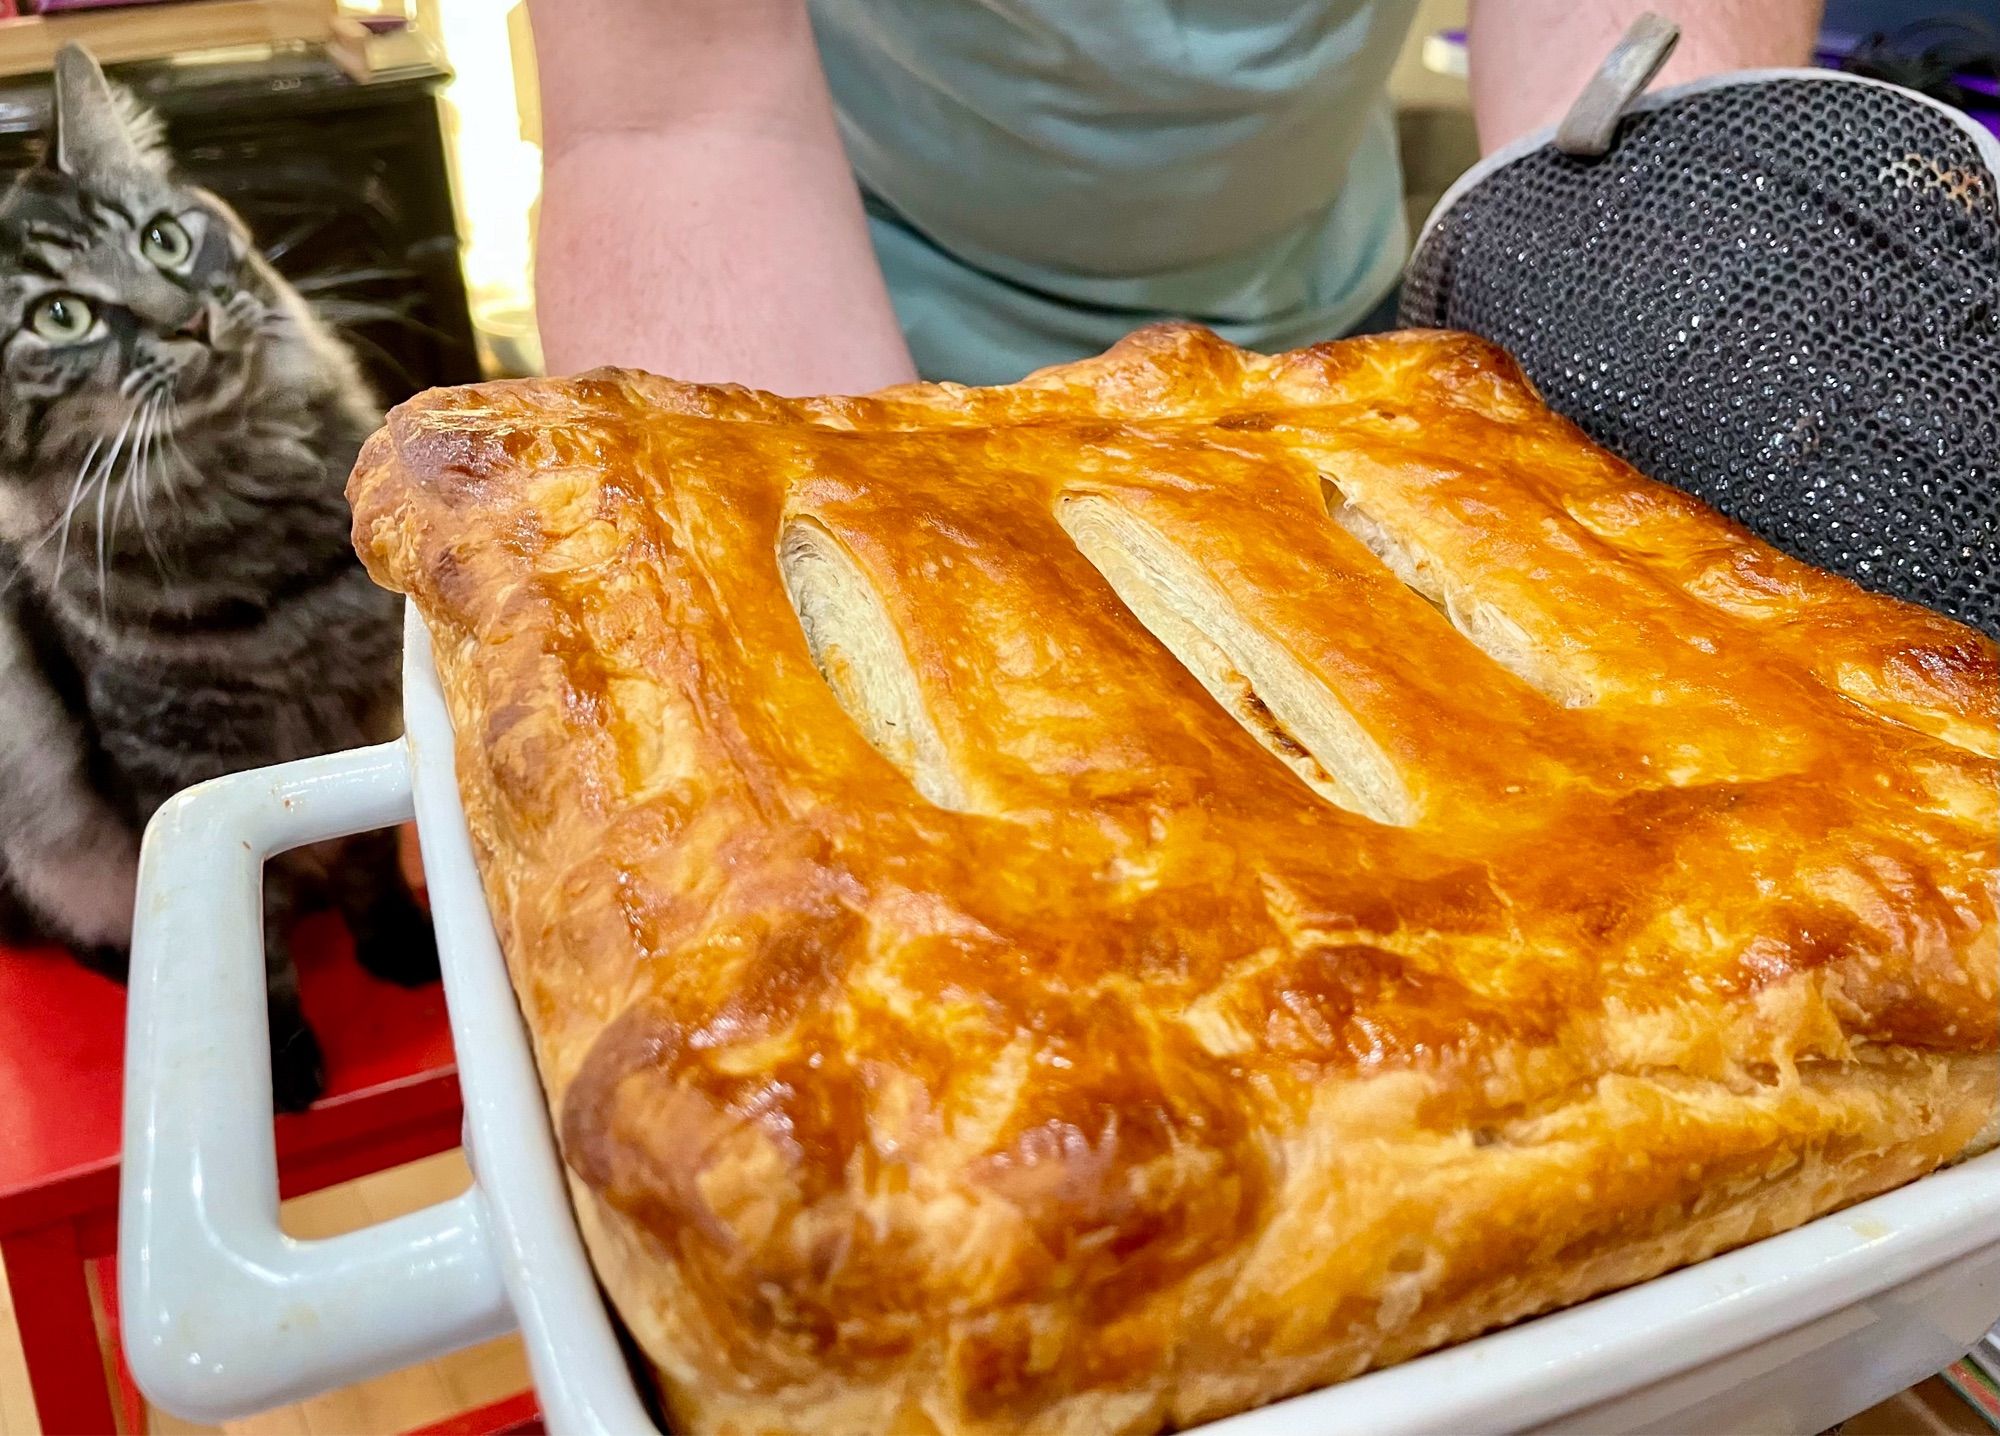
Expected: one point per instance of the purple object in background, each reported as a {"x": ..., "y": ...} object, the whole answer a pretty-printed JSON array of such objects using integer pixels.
[
  {"x": 1836, "y": 45},
  {"x": 1987, "y": 115}
]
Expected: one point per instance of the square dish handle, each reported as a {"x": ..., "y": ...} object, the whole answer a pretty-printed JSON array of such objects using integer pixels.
[{"x": 223, "y": 1314}]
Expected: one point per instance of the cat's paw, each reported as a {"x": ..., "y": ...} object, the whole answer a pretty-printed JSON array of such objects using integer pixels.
[
  {"x": 298, "y": 1070},
  {"x": 394, "y": 942},
  {"x": 241, "y": 315}
]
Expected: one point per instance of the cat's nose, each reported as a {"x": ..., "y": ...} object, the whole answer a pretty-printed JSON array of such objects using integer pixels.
[{"x": 195, "y": 326}]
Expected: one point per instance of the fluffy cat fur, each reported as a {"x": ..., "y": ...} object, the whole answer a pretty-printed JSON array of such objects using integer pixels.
[{"x": 181, "y": 600}]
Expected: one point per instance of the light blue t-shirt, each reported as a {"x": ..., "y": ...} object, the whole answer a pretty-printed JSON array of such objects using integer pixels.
[{"x": 1043, "y": 176}]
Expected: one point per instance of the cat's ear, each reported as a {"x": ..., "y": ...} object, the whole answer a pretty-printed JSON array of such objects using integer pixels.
[{"x": 99, "y": 126}]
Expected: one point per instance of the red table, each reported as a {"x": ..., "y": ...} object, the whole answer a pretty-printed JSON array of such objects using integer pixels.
[{"x": 392, "y": 1098}]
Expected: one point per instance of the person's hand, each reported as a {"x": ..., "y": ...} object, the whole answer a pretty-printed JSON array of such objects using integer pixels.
[{"x": 1531, "y": 58}]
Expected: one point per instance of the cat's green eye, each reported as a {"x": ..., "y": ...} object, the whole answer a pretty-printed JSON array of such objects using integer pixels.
[
  {"x": 62, "y": 319},
  {"x": 166, "y": 243}
]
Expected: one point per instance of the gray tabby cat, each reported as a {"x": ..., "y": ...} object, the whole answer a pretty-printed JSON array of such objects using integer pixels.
[{"x": 181, "y": 597}]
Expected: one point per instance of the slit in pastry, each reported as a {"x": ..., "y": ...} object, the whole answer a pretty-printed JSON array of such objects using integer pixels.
[
  {"x": 1291, "y": 713},
  {"x": 861, "y": 656},
  {"x": 1488, "y": 629}
]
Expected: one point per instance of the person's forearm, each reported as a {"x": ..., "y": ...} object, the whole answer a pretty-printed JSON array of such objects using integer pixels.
[
  {"x": 1531, "y": 58},
  {"x": 698, "y": 215},
  {"x": 710, "y": 255}
]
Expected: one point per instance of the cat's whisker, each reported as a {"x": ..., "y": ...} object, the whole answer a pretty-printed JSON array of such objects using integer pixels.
[
  {"x": 141, "y": 476},
  {"x": 20, "y": 568},
  {"x": 171, "y": 430},
  {"x": 154, "y": 417},
  {"x": 103, "y": 491},
  {"x": 163, "y": 439},
  {"x": 344, "y": 314},
  {"x": 76, "y": 490},
  {"x": 138, "y": 443},
  {"x": 400, "y": 306},
  {"x": 103, "y": 598},
  {"x": 340, "y": 278},
  {"x": 354, "y": 338},
  {"x": 301, "y": 231}
]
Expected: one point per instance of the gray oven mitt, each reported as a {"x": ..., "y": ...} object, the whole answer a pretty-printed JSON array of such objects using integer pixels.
[{"x": 1778, "y": 290}]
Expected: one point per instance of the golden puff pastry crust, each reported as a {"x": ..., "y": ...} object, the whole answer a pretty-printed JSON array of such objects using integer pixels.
[{"x": 1091, "y": 905}]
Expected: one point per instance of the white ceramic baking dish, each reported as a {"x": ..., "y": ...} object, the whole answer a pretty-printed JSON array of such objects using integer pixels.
[{"x": 224, "y": 1315}]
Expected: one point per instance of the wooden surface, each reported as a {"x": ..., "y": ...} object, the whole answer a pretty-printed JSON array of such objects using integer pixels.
[{"x": 146, "y": 32}]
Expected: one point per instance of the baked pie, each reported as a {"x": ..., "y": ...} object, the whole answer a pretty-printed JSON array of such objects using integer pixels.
[{"x": 1091, "y": 905}]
